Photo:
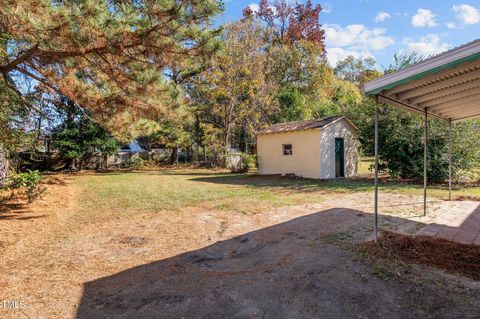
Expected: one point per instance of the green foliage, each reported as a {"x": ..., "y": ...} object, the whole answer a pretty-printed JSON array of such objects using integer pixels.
[
  {"x": 466, "y": 150},
  {"x": 401, "y": 149},
  {"x": 247, "y": 162},
  {"x": 241, "y": 162},
  {"x": 358, "y": 71},
  {"x": 235, "y": 93},
  {"x": 29, "y": 180},
  {"x": 291, "y": 105},
  {"x": 78, "y": 137},
  {"x": 303, "y": 78},
  {"x": 134, "y": 163},
  {"x": 402, "y": 61}
]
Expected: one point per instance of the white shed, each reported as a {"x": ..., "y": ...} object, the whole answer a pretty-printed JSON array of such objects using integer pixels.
[{"x": 323, "y": 148}]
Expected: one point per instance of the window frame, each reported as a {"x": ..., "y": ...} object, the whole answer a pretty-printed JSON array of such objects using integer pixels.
[{"x": 284, "y": 149}]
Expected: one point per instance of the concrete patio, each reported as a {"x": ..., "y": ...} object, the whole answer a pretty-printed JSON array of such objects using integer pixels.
[{"x": 461, "y": 224}]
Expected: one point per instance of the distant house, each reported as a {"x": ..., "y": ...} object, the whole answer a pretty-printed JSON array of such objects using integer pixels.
[
  {"x": 133, "y": 147},
  {"x": 323, "y": 148}
]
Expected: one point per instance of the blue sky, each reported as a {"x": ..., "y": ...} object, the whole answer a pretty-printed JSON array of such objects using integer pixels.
[{"x": 381, "y": 28}]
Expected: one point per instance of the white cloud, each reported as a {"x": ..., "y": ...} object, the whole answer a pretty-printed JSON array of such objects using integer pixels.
[
  {"x": 382, "y": 16},
  {"x": 451, "y": 25},
  {"x": 326, "y": 7},
  {"x": 357, "y": 37},
  {"x": 424, "y": 18},
  {"x": 426, "y": 46},
  {"x": 356, "y": 40},
  {"x": 337, "y": 54},
  {"x": 254, "y": 7},
  {"x": 467, "y": 14}
]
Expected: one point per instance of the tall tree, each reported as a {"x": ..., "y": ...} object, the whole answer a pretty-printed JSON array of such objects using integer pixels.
[
  {"x": 304, "y": 25},
  {"x": 111, "y": 57},
  {"x": 296, "y": 56},
  {"x": 292, "y": 21},
  {"x": 235, "y": 91}
]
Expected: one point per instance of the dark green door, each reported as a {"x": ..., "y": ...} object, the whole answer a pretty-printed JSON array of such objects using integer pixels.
[{"x": 339, "y": 157}]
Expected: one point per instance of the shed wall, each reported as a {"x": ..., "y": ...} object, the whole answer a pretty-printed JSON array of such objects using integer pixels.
[
  {"x": 340, "y": 129},
  {"x": 304, "y": 162}
]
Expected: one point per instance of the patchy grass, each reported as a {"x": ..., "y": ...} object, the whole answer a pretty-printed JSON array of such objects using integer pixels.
[
  {"x": 381, "y": 271},
  {"x": 306, "y": 185},
  {"x": 139, "y": 192},
  {"x": 154, "y": 191}
]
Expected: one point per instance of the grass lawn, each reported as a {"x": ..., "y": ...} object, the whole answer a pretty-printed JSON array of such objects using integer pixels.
[{"x": 173, "y": 190}]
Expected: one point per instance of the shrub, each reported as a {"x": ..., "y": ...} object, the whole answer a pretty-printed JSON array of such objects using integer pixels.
[
  {"x": 134, "y": 163},
  {"x": 248, "y": 161},
  {"x": 242, "y": 162},
  {"x": 29, "y": 180}
]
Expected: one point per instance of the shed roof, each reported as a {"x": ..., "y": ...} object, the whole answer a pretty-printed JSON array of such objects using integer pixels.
[
  {"x": 303, "y": 125},
  {"x": 446, "y": 86}
]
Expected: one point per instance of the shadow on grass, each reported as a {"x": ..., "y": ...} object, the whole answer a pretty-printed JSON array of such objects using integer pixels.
[
  {"x": 12, "y": 210},
  {"x": 360, "y": 184},
  {"x": 296, "y": 269},
  {"x": 305, "y": 184}
]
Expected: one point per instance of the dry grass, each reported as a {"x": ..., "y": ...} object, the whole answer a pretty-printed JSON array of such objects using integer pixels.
[
  {"x": 90, "y": 226},
  {"x": 450, "y": 256}
]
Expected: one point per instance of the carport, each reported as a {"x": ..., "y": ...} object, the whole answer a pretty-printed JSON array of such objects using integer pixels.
[{"x": 445, "y": 87}]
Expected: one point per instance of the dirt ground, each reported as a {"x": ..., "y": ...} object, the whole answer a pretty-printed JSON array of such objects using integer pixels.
[{"x": 290, "y": 262}]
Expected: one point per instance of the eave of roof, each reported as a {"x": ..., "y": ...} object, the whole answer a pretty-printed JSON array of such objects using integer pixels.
[
  {"x": 450, "y": 59},
  {"x": 335, "y": 120}
]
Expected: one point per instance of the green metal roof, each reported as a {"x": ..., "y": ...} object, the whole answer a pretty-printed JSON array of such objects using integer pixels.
[{"x": 419, "y": 76}]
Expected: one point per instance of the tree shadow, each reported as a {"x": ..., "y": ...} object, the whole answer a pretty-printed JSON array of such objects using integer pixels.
[
  {"x": 14, "y": 210},
  {"x": 305, "y": 185},
  {"x": 296, "y": 269},
  {"x": 288, "y": 183}
]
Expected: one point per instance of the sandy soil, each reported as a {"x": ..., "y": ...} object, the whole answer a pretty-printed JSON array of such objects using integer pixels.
[{"x": 292, "y": 262}]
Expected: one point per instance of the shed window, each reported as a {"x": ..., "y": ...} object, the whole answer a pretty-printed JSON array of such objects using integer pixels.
[{"x": 287, "y": 149}]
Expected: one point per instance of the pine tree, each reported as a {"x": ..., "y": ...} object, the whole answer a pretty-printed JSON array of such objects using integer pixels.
[{"x": 110, "y": 57}]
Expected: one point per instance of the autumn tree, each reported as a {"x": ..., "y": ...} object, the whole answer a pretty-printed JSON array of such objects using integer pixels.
[
  {"x": 235, "y": 92},
  {"x": 304, "y": 25},
  {"x": 357, "y": 70},
  {"x": 296, "y": 59},
  {"x": 110, "y": 57},
  {"x": 292, "y": 21}
]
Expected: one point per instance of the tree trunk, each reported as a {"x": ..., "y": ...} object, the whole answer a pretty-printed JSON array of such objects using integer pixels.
[
  {"x": 174, "y": 156},
  {"x": 105, "y": 161},
  {"x": 3, "y": 165},
  {"x": 70, "y": 164},
  {"x": 226, "y": 146}
]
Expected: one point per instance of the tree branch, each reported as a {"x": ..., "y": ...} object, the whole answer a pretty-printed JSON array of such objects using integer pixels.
[{"x": 19, "y": 60}]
